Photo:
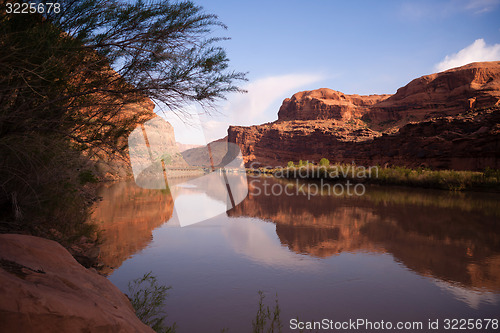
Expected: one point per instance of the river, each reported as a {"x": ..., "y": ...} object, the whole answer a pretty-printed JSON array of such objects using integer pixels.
[{"x": 391, "y": 254}]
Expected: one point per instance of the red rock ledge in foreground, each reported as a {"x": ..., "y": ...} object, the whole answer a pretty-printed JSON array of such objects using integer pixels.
[{"x": 44, "y": 289}]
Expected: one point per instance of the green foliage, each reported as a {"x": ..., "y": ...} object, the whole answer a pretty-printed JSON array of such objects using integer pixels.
[
  {"x": 148, "y": 300},
  {"x": 267, "y": 319},
  {"x": 451, "y": 180},
  {"x": 491, "y": 173},
  {"x": 39, "y": 191},
  {"x": 159, "y": 50},
  {"x": 442, "y": 179},
  {"x": 66, "y": 79},
  {"x": 290, "y": 164},
  {"x": 87, "y": 176},
  {"x": 167, "y": 158},
  {"x": 162, "y": 49}
]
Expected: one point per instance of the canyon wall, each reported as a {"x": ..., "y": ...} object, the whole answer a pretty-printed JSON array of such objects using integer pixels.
[
  {"x": 326, "y": 104},
  {"x": 448, "y": 120}
]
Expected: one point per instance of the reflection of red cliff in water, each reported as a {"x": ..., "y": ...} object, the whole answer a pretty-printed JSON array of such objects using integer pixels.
[
  {"x": 451, "y": 244},
  {"x": 126, "y": 217}
]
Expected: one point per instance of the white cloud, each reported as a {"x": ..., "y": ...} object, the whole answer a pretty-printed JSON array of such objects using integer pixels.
[
  {"x": 477, "y": 51},
  {"x": 424, "y": 10},
  {"x": 245, "y": 109},
  {"x": 187, "y": 126},
  {"x": 259, "y": 105},
  {"x": 258, "y": 242},
  {"x": 473, "y": 298},
  {"x": 482, "y": 6},
  {"x": 215, "y": 130}
]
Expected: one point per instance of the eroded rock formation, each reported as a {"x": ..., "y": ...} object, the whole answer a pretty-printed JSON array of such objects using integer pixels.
[
  {"x": 322, "y": 104},
  {"x": 444, "y": 120}
]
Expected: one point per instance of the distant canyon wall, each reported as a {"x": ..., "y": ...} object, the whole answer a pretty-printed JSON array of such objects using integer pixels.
[{"x": 447, "y": 120}]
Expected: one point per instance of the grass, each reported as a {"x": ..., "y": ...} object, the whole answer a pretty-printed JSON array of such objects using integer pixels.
[
  {"x": 441, "y": 179},
  {"x": 267, "y": 319},
  {"x": 452, "y": 180},
  {"x": 148, "y": 300}
]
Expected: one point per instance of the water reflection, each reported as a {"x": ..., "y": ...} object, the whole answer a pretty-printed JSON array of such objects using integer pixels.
[
  {"x": 126, "y": 216},
  {"x": 449, "y": 236},
  {"x": 391, "y": 254},
  {"x": 257, "y": 242},
  {"x": 211, "y": 194},
  {"x": 434, "y": 233}
]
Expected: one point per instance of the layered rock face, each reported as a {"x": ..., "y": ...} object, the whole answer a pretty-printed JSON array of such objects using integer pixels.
[
  {"x": 44, "y": 289},
  {"x": 443, "y": 120},
  {"x": 109, "y": 165},
  {"x": 116, "y": 166},
  {"x": 326, "y": 104},
  {"x": 469, "y": 142},
  {"x": 476, "y": 85}
]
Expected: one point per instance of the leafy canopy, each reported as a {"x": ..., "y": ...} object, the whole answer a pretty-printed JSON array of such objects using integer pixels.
[
  {"x": 80, "y": 79},
  {"x": 98, "y": 56},
  {"x": 161, "y": 48}
]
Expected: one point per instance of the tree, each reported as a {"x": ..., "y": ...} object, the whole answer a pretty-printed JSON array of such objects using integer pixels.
[
  {"x": 66, "y": 77},
  {"x": 324, "y": 162},
  {"x": 100, "y": 55}
]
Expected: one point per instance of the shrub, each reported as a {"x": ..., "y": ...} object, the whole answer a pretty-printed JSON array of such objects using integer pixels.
[
  {"x": 267, "y": 317},
  {"x": 324, "y": 162},
  {"x": 148, "y": 300},
  {"x": 87, "y": 176}
]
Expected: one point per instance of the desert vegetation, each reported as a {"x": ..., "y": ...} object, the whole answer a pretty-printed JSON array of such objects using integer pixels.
[
  {"x": 148, "y": 298},
  {"x": 76, "y": 82},
  {"x": 486, "y": 180}
]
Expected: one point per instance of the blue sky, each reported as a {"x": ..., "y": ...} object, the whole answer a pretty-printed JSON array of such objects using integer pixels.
[{"x": 364, "y": 47}]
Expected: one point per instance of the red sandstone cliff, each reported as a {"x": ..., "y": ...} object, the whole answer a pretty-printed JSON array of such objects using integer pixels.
[
  {"x": 326, "y": 104},
  {"x": 457, "y": 90},
  {"x": 444, "y": 120}
]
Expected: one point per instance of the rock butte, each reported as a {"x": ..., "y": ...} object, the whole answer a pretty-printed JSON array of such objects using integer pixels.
[{"x": 447, "y": 120}]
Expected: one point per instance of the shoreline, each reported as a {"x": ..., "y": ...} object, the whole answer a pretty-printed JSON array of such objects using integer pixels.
[{"x": 448, "y": 180}]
